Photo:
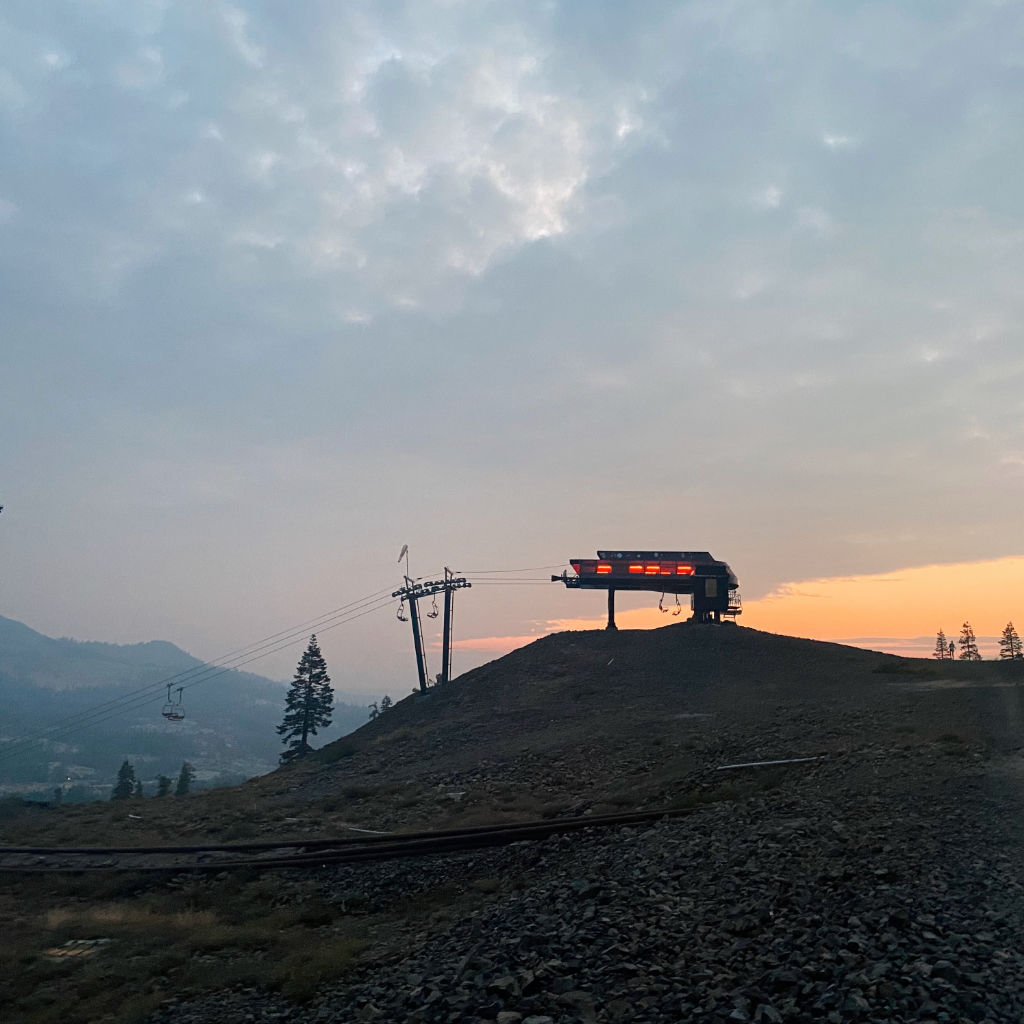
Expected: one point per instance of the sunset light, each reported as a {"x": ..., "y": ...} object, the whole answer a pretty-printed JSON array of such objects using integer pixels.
[{"x": 899, "y": 612}]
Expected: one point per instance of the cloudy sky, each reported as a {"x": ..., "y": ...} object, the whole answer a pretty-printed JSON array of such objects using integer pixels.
[{"x": 284, "y": 287}]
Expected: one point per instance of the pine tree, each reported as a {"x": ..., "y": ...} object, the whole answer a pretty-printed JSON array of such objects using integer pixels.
[
  {"x": 940, "y": 646},
  {"x": 186, "y": 777},
  {"x": 374, "y": 711},
  {"x": 968, "y": 644},
  {"x": 163, "y": 785},
  {"x": 386, "y": 704},
  {"x": 125, "y": 785},
  {"x": 308, "y": 705},
  {"x": 1009, "y": 643}
]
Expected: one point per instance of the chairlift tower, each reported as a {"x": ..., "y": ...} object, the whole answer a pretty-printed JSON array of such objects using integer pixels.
[{"x": 414, "y": 591}]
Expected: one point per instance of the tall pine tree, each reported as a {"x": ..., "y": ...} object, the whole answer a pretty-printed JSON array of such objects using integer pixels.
[
  {"x": 1009, "y": 643},
  {"x": 968, "y": 644},
  {"x": 125, "y": 785},
  {"x": 186, "y": 777},
  {"x": 941, "y": 647},
  {"x": 308, "y": 705}
]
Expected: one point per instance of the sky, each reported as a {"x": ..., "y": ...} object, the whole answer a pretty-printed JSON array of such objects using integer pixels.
[{"x": 285, "y": 287}]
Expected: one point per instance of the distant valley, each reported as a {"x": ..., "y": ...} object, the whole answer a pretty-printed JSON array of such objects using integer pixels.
[{"x": 228, "y": 733}]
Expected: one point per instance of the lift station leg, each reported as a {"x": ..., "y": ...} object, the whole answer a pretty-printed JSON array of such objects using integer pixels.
[{"x": 611, "y": 610}]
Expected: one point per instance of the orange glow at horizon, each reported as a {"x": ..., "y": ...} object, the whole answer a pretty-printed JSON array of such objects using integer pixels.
[
  {"x": 910, "y": 602},
  {"x": 882, "y": 611}
]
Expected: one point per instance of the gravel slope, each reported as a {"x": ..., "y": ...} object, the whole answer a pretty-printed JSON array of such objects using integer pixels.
[
  {"x": 884, "y": 886},
  {"x": 882, "y": 883}
]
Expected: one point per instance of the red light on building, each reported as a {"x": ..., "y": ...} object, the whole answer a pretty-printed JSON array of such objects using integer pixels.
[
  {"x": 652, "y": 569},
  {"x": 684, "y": 570},
  {"x": 603, "y": 568},
  {"x": 636, "y": 567}
]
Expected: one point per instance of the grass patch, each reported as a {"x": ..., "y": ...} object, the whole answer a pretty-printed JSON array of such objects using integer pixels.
[
  {"x": 170, "y": 939},
  {"x": 303, "y": 971},
  {"x": 486, "y": 885},
  {"x": 399, "y": 735},
  {"x": 953, "y": 745},
  {"x": 625, "y": 798},
  {"x": 241, "y": 830},
  {"x": 728, "y": 790},
  {"x": 336, "y": 751},
  {"x": 357, "y": 792},
  {"x": 554, "y": 809},
  {"x": 899, "y": 667}
]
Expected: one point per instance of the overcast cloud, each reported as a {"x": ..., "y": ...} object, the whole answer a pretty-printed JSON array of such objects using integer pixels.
[{"x": 285, "y": 286}]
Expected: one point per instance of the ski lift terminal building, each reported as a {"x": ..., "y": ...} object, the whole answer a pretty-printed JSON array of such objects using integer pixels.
[{"x": 711, "y": 584}]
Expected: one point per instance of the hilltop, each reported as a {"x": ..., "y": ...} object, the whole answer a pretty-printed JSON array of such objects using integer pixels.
[
  {"x": 598, "y": 721},
  {"x": 880, "y": 881},
  {"x": 595, "y": 721}
]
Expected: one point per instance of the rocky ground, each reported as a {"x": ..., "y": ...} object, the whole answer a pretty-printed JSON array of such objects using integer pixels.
[
  {"x": 881, "y": 883},
  {"x": 884, "y": 886}
]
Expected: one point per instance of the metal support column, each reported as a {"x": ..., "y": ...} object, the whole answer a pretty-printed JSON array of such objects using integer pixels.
[
  {"x": 417, "y": 640},
  {"x": 611, "y": 609},
  {"x": 446, "y": 631},
  {"x": 412, "y": 592}
]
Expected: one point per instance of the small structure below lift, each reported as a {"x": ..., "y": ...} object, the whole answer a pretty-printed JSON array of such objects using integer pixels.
[{"x": 712, "y": 585}]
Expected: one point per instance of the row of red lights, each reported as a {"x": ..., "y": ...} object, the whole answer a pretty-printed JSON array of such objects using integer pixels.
[{"x": 649, "y": 569}]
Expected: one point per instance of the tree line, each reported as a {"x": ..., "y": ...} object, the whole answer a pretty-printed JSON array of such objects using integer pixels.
[
  {"x": 946, "y": 650},
  {"x": 128, "y": 785}
]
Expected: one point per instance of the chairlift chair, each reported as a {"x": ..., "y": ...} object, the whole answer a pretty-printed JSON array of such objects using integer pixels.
[{"x": 173, "y": 710}]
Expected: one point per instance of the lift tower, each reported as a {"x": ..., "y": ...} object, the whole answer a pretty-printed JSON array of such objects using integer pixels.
[{"x": 412, "y": 592}]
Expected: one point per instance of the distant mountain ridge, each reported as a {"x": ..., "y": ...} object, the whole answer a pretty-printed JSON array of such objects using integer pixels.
[
  {"x": 229, "y": 732},
  {"x": 61, "y": 664}
]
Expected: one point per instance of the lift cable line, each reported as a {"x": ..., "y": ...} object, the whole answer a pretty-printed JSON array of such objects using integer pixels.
[
  {"x": 532, "y": 568},
  {"x": 142, "y": 697},
  {"x": 201, "y": 673},
  {"x": 273, "y": 643},
  {"x": 509, "y": 584},
  {"x": 210, "y": 670}
]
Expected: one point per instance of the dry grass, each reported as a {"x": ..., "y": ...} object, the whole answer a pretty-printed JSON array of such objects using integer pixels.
[{"x": 165, "y": 942}]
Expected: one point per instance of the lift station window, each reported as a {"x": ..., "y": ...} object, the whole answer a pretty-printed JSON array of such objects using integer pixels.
[{"x": 636, "y": 568}]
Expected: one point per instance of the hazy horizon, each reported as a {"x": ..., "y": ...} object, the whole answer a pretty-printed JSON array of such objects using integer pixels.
[{"x": 286, "y": 288}]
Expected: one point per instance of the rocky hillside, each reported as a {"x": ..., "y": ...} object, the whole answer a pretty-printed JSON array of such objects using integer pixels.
[
  {"x": 879, "y": 881},
  {"x": 601, "y": 720}
]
